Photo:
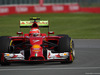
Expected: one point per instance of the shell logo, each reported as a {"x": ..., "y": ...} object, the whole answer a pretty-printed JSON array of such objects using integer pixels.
[
  {"x": 36, "y": 46},
  {"x": 36, "y": 50},
  {"x": 65, "y": 53},
  {"x": 7, "y": 54}
]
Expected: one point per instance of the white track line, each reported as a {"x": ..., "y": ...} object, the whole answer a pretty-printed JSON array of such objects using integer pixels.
[
  {"x": 33, "y": 69},
  {"x": 92, "y": 73}
]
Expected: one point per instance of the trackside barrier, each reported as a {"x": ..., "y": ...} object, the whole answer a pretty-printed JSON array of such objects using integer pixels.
[
  {"x": 90, "y": 9},
  {"x": 54, "y": 8}
]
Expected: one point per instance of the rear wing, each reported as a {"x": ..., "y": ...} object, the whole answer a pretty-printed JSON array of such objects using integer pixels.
[{"x": 28, "y": 24}]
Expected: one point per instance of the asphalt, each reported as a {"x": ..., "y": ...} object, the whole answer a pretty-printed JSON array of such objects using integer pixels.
[{"x": 87, "y": 62}]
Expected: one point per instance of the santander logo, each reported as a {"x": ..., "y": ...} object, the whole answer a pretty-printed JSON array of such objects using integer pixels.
[
  {"x": 21, "y": 9},
  {"x": 57, "y": 8},
  {"x": 4, "y": 10},
  {"x": 39, "y": 8},
  {"x": 73, "y": 7}
]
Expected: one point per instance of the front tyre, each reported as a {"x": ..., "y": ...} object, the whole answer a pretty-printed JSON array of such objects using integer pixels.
[
  {"x": 4, "y": 48},
  {"x": 66, "y": 44}
]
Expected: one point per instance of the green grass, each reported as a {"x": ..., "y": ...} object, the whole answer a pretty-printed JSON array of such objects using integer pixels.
[{"x": 76, "y": 25}]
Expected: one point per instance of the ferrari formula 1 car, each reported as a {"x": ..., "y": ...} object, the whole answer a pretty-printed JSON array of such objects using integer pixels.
[{"x": 36, "y": 49}]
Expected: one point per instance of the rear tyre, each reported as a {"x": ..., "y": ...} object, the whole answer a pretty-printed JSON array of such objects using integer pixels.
[
  {"x": 66, "y": 44},
  {"x": 4, "y": 48}
]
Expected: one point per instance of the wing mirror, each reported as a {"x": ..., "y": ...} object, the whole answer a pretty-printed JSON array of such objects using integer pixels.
[
  {"x": 19, "y": 33},
  {"x": 50, "y": 32}
]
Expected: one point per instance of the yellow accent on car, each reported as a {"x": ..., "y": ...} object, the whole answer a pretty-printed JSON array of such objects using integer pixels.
[
  {"x": 7, "y": 54},
  {"x": 71, "y": 43},
  {"x": 36, "y": 46},
  {"x": 65, "y": 53},
  {"x": 11, "y": 42},
  {"x": 34, "y": 18},
  {"x": 39, "y": 22}
]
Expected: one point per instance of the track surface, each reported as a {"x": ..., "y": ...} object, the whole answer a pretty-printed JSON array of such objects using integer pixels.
[{"x": 87, "y": 62}]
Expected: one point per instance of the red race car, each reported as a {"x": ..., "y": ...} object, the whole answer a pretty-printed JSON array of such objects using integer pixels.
[{"x": 35, "y": 46}]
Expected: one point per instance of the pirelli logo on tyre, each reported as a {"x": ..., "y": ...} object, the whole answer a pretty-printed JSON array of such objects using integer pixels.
[{"x": 71, "y": 43}]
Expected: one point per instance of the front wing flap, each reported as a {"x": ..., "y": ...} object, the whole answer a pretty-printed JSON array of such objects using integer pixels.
[
  {"x": 14, "y": 56},
  {"x": 51, "y": 55}
]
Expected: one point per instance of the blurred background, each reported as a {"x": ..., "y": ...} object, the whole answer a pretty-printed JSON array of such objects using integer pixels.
[
  {"x": 78, "y": 18},
  {"x": 82, "y": 3}
]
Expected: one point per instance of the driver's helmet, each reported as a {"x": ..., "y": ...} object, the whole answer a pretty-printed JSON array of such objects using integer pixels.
[{"x": 34, "y": 32}]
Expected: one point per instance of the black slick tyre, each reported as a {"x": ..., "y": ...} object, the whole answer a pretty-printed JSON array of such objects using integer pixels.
[
  {"x": 4, "y": 45},
  {"x": 66, "y": 44}
]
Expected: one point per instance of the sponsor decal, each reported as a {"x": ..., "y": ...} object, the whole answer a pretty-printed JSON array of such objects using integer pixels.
[
  {"x": 21, "y": 9},
  {"x": 26, "y": 22},
  {"x": 73, "y": 7},
  {"x": 42, "y": 22},
  {"x": 34, "y": 41},
  {"x": 30, "y": 23},
  {"x": 58, "y": 56},
  {"x": 57, "y": 8},
  {"x": 4, "y": 10},
  {"x": 14, "y": 56},
  {"x": 49, "y": 55},
  {"x": 22, "y": 23},
  {"x": 40, "y": 8},
  {"x": 36, "y": 50},
  {"x": 36, "y": 46}
]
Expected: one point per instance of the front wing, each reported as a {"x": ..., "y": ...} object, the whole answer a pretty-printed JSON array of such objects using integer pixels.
[{"x": 50, "y": 56}]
